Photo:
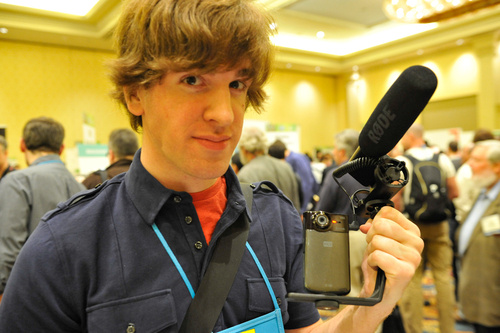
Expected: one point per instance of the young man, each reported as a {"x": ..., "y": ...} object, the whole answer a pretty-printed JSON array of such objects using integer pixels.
[{"x": 187, "y": 70}]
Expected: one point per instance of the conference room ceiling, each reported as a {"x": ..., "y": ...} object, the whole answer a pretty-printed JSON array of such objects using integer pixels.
[{"x": 353, "y": 32}]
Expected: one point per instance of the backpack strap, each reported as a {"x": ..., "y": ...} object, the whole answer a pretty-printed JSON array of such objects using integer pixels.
[
  {"x": 103, "y": 174},
  {"x": 211, "y": 295},
  {"x": 247, "y": 190}
]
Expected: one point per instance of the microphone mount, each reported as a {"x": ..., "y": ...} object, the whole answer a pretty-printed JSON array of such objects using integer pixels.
[{"x": 390, "y": 176}]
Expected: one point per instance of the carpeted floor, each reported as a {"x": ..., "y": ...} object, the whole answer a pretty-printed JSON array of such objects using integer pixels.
[{"x": 431, "y": 324}]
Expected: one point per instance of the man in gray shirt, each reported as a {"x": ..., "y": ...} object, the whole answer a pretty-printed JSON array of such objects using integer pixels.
[
  {"x": 258, "y": 165},
  {"x": 26, "y": 195}
]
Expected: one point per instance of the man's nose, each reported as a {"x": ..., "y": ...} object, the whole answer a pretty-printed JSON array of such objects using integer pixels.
[{"x": 220, "y": 107}]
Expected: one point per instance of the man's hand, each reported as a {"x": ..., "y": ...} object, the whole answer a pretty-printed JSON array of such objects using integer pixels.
[{"x": 394, "y": 245}]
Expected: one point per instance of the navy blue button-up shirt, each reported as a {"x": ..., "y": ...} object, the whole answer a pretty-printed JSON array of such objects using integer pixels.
[{"x": 95, "y": 264}]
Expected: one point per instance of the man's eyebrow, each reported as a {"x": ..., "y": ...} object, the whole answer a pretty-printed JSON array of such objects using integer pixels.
[{"x": 245, "y": 72}]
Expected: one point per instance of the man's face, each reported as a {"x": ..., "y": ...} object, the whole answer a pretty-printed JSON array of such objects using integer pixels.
[
  {"x": 483, "y": 173},
  {"x": 338, "y": 156},
  {"x": 192, "y": 123},
  {"x": 406, "y": 141}
]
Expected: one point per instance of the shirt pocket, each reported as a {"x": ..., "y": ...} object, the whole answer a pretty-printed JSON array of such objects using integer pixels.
[
  {"x": 259, "y": 298},
  {"x": 150, "y": 313}
]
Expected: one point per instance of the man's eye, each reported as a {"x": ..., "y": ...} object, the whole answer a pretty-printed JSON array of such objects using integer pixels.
[
  {"x": 237, "y": 85},
  {"x": 192, "y": 80}
]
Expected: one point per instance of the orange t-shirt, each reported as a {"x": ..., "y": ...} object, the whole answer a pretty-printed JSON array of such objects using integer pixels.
[{"x": 210, "y": 205}]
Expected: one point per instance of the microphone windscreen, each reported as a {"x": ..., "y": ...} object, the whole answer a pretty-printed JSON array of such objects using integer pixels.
[{"x": 397, "y": 110}]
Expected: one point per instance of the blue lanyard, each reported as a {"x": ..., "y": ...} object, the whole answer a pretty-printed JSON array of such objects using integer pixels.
[
  {"x": 264, "y": 276},
  {"x": 174, "y": 259},
  {"x": 186, "y": 280}
]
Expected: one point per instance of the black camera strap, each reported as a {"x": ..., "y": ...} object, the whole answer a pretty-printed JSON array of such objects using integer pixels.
[{"x": 221, "y": 271}]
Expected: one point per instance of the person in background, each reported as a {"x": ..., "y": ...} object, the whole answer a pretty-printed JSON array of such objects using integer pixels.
[
  {"x": 454, "y": 154},
  {"x": 278, "y": 150},
  {"x": 236, "y": 163},
  {"x": 464, "y": 173},
  {"x": 122, "y": 145},
  {"x": 479, "y": 242},
  {"x": 259, "y": 166},
  {"x": 5, "y": 167},
  {"x": 438, "y": 252},
  {"x": 319, "y": 166},
  {"x": 301, "y": 164},
  {"x": 26, "y": 195},
  {"x": 332, "y": 197},
  {"x": 483, "y": 134},
  {"x": 104, "y": 261}
]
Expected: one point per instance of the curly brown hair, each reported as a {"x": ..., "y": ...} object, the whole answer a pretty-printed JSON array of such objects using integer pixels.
[{"x": 155, "y": 37}]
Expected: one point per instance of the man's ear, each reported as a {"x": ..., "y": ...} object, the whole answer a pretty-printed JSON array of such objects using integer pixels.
[
  {"x": 61, "y": 149},
  {"x": 22, "y": 146},
  {"x": 111, "y": 156},
  {"x": 133, "y": 100}
]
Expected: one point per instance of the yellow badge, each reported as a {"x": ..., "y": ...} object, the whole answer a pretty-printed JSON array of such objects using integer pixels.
[{"x": 249, "y": 331}]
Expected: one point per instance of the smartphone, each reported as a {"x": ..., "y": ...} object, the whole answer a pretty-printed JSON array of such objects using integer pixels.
[{"x": 326, "y": 253}]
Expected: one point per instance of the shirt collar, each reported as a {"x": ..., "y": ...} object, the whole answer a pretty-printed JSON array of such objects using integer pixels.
[
  {"x": 47, "y": 158},
  {"x": 149, "y": 195}
]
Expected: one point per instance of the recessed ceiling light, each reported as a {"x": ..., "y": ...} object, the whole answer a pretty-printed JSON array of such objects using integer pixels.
[
  {"x": 288, "y": 65},
  {"x": 4, "y": 30},
  {"x": 79, "y": 8},
  {"x": 320, "y": 34},
  {"x": 317, "y": 69}
]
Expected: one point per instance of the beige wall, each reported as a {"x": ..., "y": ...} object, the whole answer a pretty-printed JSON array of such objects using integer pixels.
[
  {"x": 67, "y": 83},
  {"x": 307, "y": 100},
  {"x": 468, "y": 91},
  {"x": 62, "y": 83}
]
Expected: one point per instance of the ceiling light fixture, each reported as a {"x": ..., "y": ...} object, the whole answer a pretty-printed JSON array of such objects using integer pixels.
[
  {"x": 320, "y": 34},
  {"x": 78, "y": 8},
  {"x": 427, "y": 11}
]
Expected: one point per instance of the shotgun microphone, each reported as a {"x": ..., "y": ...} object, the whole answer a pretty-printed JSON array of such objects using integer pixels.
[{"x": 393, "y": 116}]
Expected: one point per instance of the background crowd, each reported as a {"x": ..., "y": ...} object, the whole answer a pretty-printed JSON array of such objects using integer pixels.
[{"x": 460, "y": 250}]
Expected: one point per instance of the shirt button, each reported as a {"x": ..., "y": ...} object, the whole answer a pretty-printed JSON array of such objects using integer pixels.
[
  {"x": 278, "y": 300},
  {"x": 131, "y": 328},
  {"x": 177, "y": 199},
  {"x": 198, "y": 245},
  {"x": 188, "y": 219}
]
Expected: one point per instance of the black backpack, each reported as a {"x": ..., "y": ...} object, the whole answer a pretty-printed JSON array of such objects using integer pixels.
[{"x": 429, "y": 194}]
